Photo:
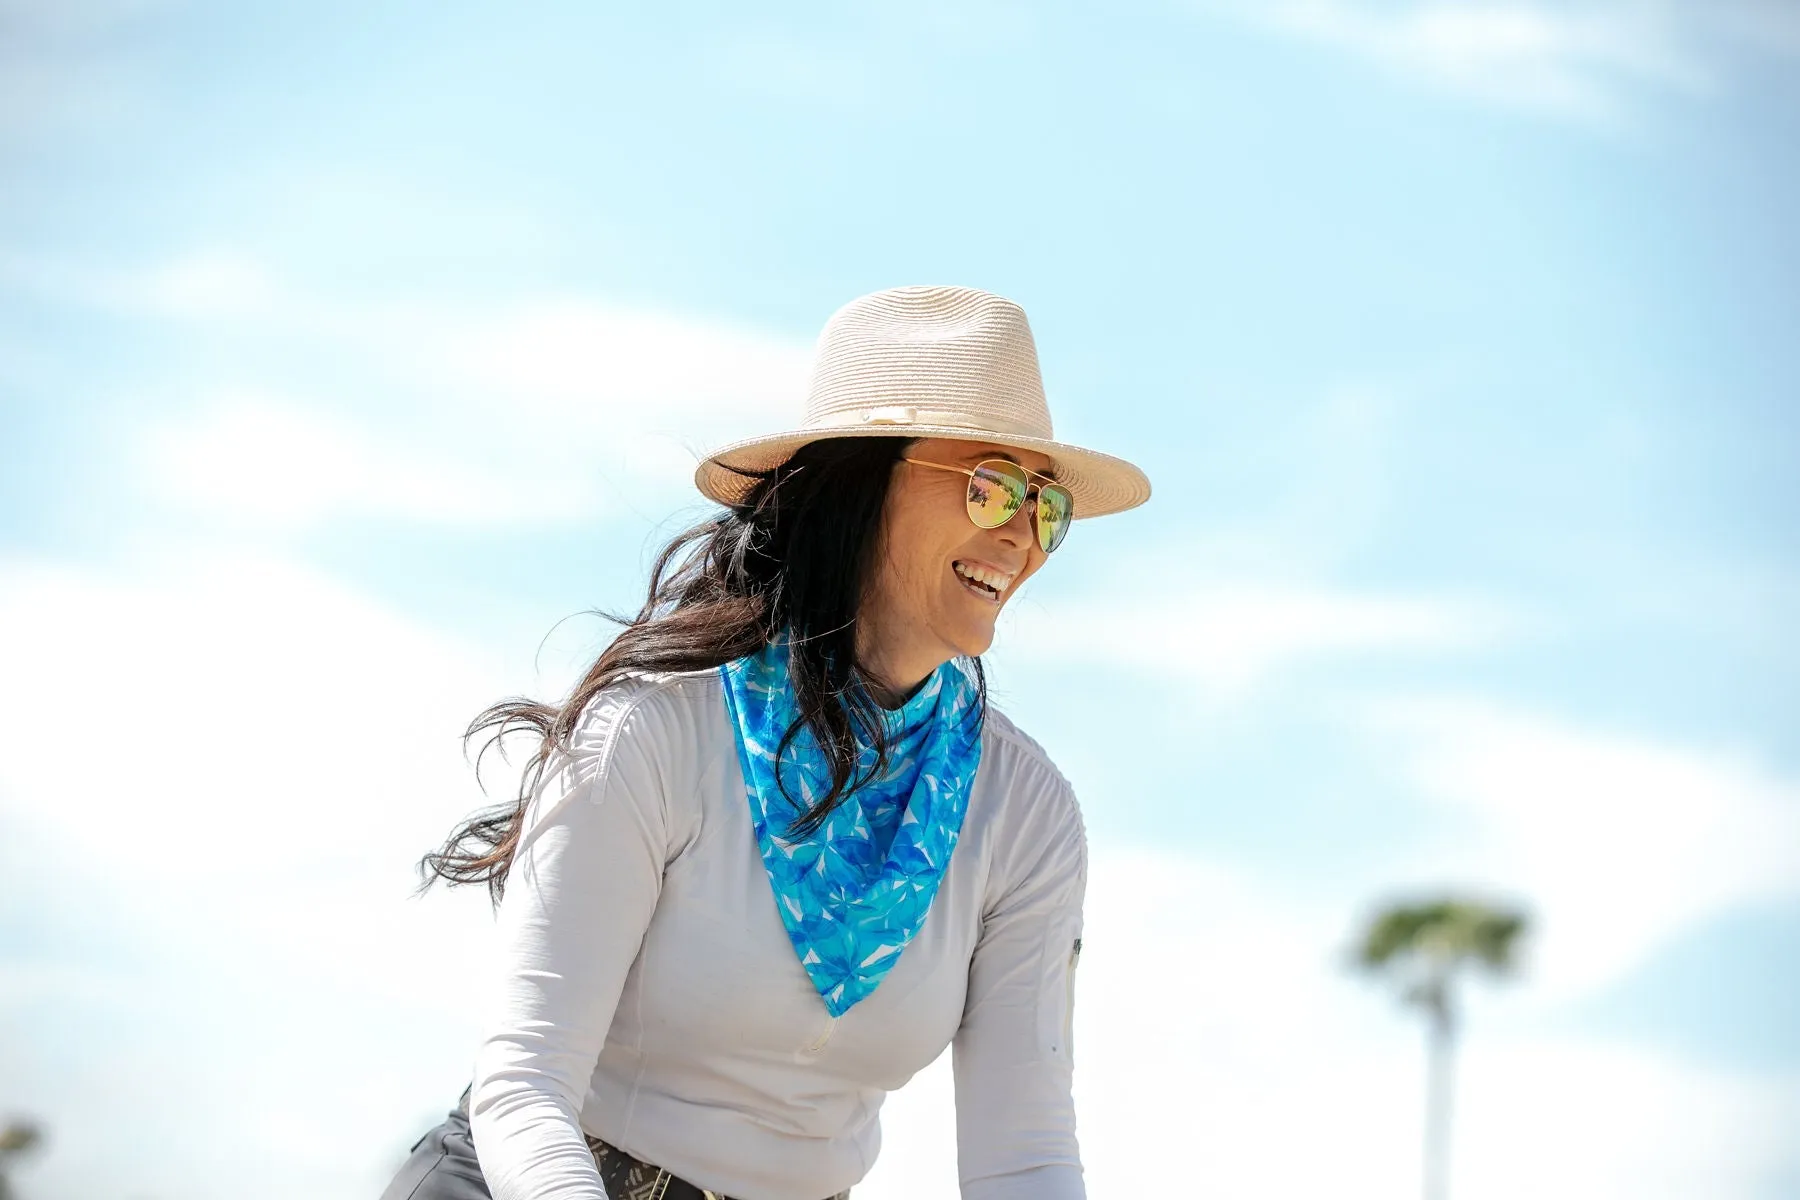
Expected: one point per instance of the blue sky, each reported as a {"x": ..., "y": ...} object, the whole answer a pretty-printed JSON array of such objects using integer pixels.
[{"x": 347, "y": 350}]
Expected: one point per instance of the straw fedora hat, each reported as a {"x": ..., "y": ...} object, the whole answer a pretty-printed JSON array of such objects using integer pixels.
[{"x": 930, "y": 362}]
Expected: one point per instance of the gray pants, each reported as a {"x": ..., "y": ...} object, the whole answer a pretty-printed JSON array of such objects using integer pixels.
[{"x": 442, "y": 1166}]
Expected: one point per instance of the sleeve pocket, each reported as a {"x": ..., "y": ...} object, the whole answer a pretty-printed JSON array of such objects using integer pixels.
[{"x": 1056, "y": 995}]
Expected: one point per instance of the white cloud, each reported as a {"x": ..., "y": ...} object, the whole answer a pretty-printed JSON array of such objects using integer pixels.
[
  {"x": 188, "y": 683},
  {"x": 1621, "y": 843},
  {"x": 1553, "y": 1117},
  {"x": 1588, "y": 60},
  {"x": 628, "y": 372},
  {"x": 570, "y": 390},
  {"x": 223, "y": 769},
  {"x": 284, "y": 409},
  {"x": 257, "y": 461},
  {"x": 208, "y": 283},
  {"x": 1227, "y": 637}
]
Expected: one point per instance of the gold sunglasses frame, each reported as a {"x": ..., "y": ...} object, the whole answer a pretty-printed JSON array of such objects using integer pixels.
[{"x": 1030, "y": 493}]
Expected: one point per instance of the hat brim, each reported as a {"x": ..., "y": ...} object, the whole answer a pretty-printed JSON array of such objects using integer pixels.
[{"x": 1099, "y": 483}]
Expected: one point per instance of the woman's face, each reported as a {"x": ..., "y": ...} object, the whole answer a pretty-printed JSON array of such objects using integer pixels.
[{"x": 923, "y": 607}]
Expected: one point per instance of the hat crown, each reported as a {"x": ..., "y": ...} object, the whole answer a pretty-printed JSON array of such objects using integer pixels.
[{"x": 951, "y": 357}]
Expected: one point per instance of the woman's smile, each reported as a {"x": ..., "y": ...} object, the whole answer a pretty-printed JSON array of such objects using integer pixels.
[{"x": 987, "y": 583}]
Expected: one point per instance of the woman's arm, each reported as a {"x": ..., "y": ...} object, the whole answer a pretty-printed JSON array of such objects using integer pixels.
[
  {"x": 582, "y": 887},
  {"x": 1015, "y": 1116}
]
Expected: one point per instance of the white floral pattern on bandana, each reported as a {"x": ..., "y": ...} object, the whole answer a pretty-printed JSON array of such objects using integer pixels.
[{"x": 856, "y": 890}]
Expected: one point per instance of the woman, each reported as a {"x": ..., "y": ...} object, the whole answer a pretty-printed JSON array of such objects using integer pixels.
[{"x": 713, "y": 891}]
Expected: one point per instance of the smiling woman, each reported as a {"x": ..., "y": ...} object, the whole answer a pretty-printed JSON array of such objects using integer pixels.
[{"x": 714, "y": 885}]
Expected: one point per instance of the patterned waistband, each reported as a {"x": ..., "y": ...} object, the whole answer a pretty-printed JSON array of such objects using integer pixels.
[{"x": 628, "y": 1178}]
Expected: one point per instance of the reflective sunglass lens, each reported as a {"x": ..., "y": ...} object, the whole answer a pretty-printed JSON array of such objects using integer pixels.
[
  {"x": 996, "y": 493},
  {"x": 1055, "y": 509}
]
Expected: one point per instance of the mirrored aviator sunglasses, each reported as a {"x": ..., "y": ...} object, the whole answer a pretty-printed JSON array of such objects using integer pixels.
[{"x": 999, "y": 488}]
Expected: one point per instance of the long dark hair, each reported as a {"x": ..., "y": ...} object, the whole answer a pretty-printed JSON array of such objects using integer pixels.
[{"x": 794, "y": 555}]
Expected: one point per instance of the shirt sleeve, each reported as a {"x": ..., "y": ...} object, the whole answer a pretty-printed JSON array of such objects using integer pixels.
[
  {"x": 1012, "y": 1056},
  {"x": 584, "y": 881}
]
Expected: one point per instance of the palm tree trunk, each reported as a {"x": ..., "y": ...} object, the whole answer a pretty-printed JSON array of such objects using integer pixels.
[{"x": 1441, "y": 1038}]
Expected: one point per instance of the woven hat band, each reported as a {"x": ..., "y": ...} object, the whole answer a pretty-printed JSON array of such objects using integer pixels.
[{"x": 941, "y": 418}]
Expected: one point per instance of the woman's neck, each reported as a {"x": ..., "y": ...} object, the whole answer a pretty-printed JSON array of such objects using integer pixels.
[
  {"x": 892, "y": 674},
  {"x": 886, "y": 696}
]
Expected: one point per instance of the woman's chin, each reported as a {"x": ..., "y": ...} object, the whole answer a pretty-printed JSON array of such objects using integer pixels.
[{"x": 975, "y": 640}]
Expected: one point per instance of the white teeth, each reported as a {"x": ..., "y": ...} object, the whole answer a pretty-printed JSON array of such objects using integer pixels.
[{"x": 992, "y": 579}]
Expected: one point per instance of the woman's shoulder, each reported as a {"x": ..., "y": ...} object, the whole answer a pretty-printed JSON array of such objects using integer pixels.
[
  {"x": 1024, "y": 813},
  {"x": 1028, "y": 775},
  {"x": 666, "y": 704},
  {"x": 640, "y": 722},
  {"x": 1001, "y": 735}
]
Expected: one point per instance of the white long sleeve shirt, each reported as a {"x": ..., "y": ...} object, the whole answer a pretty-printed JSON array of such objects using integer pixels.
[{"x": 648, "y": 993}]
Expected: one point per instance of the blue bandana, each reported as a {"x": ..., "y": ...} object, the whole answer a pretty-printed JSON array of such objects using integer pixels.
[{"x": 855, "y": 891}]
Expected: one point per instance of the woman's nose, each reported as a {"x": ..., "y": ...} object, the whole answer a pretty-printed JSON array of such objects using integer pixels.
[{"x": 1018, "y": 530}]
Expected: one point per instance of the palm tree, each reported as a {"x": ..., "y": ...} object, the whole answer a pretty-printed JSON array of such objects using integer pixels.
[{"x": 1422, "y": 946}]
